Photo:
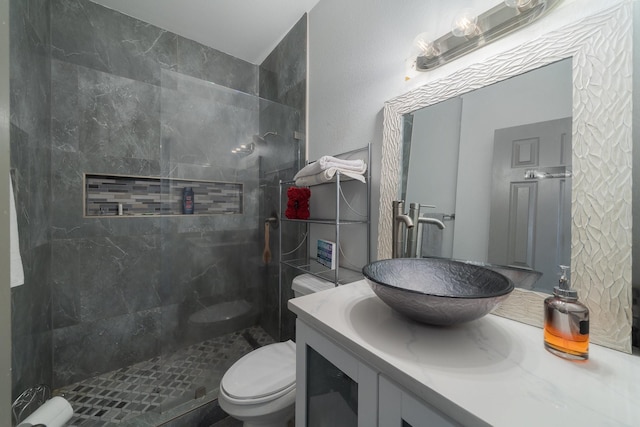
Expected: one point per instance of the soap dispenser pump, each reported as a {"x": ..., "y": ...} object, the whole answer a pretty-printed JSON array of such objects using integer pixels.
[{"x": 566, "y": 322}]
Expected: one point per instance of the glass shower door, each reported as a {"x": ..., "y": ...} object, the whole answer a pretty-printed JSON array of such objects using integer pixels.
[{"x": 208, "y": 277}]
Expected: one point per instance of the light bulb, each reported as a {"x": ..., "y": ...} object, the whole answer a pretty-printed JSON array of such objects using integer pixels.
[
  {"x": 465, "y": 24},
  {"x": 423, "y": 46}
]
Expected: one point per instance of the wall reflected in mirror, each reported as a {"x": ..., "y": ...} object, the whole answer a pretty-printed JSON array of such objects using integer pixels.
[{"x": 496, "y": 164}]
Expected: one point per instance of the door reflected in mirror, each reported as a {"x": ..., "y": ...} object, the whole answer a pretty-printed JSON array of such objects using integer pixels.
[{"x": 496, "y": 164}]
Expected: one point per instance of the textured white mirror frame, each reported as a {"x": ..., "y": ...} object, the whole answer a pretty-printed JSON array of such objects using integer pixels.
[{"x": 601, "y": 48}]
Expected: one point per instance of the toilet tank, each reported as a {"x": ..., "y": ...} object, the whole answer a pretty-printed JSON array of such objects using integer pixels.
[{"x": 306, "y": 284}]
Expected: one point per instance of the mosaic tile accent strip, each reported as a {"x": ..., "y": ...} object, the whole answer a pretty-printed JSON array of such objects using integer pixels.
[
  {"x": 158, "y": 384},
  {"x": 158, "y": 196}
]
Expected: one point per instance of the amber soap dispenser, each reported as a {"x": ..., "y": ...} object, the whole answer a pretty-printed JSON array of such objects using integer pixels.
[{"x": 566, "y": 322}]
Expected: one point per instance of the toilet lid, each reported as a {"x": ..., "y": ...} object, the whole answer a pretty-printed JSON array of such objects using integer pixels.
[{"x": 263, "y": 372}]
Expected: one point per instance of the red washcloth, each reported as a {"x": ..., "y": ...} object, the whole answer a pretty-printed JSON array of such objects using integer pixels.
[{"x": 297, "y": 203}]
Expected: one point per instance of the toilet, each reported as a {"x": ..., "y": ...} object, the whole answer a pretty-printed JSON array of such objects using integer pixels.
[{"x": 260, "y": 388}]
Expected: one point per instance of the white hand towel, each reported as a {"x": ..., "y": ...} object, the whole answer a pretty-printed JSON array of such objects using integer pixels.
[
  {"x": 325, "y": 176},
  {"x": 328, "y": 162},
  {"x": 15, "y": 268}
]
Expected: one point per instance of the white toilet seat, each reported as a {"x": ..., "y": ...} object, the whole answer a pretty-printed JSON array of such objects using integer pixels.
[
  {"x": 274, "y": 413},
  {"x": 255, "y": 401},
  {"x": 263, "y": 375}
]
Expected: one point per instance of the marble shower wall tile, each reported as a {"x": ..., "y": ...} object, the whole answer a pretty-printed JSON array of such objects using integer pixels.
[
  {"x": 86, "y": 34},
  {"x": 31, "y": 303},
  {"x": 281, "y": 150},
  {"x": 283, "y": 73},
  {"x": 91, "y": 348},
  {"x": 118, "y": 116},
  {"x": 30, "y": 97},
  {"x": 104, "y": 114},
  {"x": 30, "y": 68},
  {"x": 65, "y": 114},
  {"x": 200, "y": 264},
  {"x": 282, "y": 109},
  {"x": 206, "y": 63},
  {"x": 31, "y": 361},
  {"x": 104, "y": 277},
  {"x": 202, "y": 121},
  {"x": 67, "y": 189}
]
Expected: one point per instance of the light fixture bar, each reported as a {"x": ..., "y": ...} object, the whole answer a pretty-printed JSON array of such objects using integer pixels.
[{"x": 491, "y": 25}]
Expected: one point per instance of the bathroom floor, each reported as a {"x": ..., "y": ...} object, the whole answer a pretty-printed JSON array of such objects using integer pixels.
[{"x": 160, "y": 384}]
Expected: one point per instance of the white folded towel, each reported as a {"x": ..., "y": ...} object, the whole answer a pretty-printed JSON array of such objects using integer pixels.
[
  {"x": 325, "y": 176},
  {"x": 15, "y": 268},
  {"x": 328, "y": 162}
]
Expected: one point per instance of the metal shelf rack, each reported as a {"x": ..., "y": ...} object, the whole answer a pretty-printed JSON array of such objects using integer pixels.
[{"x": 341, "y": 274}]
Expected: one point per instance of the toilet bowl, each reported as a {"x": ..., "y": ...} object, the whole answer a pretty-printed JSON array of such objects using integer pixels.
[{"x": 260, "y": 388}]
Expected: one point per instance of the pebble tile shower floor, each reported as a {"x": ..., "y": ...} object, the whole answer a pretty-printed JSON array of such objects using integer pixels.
[{"x": 158, "y": 384}]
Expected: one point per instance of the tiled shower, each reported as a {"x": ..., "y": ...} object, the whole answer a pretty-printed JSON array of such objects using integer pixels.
[{"x": 106, "y": 314}]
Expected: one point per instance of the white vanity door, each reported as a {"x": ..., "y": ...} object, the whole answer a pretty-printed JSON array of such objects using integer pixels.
[
  {"x": 399, "y": 409},
  {"x": 333, "y": 388}
]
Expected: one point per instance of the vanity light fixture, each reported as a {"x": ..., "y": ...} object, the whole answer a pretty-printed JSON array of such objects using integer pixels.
[{"x": 471, "y": 31}]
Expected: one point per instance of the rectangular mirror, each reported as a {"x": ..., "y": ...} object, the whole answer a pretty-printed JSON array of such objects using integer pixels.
[
  {"x": 599, "y": 49},
  {"x": 483, "y": 160}
]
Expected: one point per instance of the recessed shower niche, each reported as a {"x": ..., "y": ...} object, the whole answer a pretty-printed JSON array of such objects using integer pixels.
[{"x": 119, "y": 195}]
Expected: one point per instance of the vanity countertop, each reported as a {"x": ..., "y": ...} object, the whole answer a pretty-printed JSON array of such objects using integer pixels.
[{"x": 493, "y": 369}]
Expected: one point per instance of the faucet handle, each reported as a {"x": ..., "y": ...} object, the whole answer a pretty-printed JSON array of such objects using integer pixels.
[{"x": 420, "y": 205}]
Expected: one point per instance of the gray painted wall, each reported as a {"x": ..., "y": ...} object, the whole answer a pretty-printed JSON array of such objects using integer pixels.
[{"x": 357, "y": 56}]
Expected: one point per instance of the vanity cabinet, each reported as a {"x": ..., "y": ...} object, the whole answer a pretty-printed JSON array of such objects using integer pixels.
[
  {"x": 489, "y": 372},
  {"x": 335, "y": 388},
  {"x": 332, "y": 387},
  {"x": 399, "y": 408}
]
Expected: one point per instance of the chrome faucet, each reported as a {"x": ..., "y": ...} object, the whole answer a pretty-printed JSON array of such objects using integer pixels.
[
  {"x": 397, "y": 232},
  {"x": 414, "y": 234}
]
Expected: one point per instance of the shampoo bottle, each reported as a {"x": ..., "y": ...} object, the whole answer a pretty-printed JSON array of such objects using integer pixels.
[
  {"x": 566, "y": 322},
  {"x": 187, "y": 200}
]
